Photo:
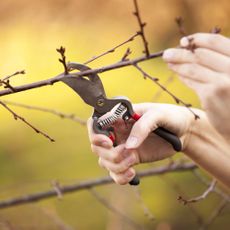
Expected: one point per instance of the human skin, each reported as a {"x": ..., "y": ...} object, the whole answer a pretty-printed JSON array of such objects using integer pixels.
[
  {"x": 206, "y": 70},
  {"x": 137, "y": 144}
]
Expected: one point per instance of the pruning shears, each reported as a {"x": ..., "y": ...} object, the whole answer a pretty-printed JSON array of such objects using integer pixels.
[{"x": 91, "y": 90}]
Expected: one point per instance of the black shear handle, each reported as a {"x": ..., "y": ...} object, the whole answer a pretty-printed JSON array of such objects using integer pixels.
[{"x": 166, "y": 135}]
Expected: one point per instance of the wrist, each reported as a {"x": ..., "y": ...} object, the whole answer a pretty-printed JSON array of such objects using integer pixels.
[
  {"x": 195, "y": 127},
  {"x": 205, "y": 146}
]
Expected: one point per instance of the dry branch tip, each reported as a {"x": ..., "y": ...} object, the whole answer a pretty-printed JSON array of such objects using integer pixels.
[{"x": 62, "y": 50}]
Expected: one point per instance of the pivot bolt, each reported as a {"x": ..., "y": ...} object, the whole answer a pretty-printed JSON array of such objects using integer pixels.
[{"x": 100, "y": 102}]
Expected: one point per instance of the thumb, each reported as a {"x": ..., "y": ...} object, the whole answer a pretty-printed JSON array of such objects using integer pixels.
[{"x": 148, "y": 122}]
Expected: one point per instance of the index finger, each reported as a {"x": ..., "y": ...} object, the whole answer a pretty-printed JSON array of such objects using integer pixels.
[
  {"x": 215, "y": 42},
  {"x": 97, "y": 139}
]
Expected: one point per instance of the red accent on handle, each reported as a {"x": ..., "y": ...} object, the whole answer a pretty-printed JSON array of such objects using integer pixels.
[
  {"x": 136, "y": 116},
  {"x": 112, "y": 138}
]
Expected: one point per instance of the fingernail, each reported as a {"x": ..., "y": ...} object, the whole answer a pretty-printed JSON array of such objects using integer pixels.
[
  {"x": 184, "y": 42},
  {"x": 168, "y": 54},
  {"x": 131, "y": 160},
  {"x": 131, "y": 142},
  {"x": 129, "y": 173}
]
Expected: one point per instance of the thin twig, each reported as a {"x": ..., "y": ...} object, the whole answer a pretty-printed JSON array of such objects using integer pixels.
[
  {"x": 112, "y": 49},
  {"x": 146, "y": 210},
  {"x": 141, "y": 25},
  {"x": 59, "y": 77},
  {"x": 173, "y": 184},
  {"x": 201, "y": 197},
  {"x": 61, "y": 50},
  {"x": 72, "y": 117},
  {"x": 56, "y": 219},
  {"x": 56, "y": 186},
  {"x": 215, "y": 30},
  {"x": 217, "y": 211},
  {"x": 7, "y": 85},
  {"x": 180, "y": 24},
  {"x": 14, "y": 74},
  {"x": 207, "y": 183},
  {"x": 126, "y": 54},
  {"x": 157, "y": 95},
  {"x": 16, "y": 116},
  {"x": 35, "y": 197},
  {"x": 156, "y": 81},
  {"x": 113, "y": 209}
]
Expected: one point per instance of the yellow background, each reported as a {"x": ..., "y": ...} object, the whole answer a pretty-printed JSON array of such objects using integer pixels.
[{"x": 30, "y": 33}]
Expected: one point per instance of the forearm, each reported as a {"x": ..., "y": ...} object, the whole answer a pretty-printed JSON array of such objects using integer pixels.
[{"x": 209, "y": 149}]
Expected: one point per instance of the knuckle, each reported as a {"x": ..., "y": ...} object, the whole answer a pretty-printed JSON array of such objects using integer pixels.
[
  {"x": 190, "y": 70},
  {"x": 198, "y": 55},
  {"x": 140, "y": 128},
  {"x": 115, "y": 157},
  {"x": 222, "y": 87},
  {"x": 117, "y": 168},
  {"x": 213, "y": 40}
]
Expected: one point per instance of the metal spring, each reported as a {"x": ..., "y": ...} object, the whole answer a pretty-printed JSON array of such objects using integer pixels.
[{"x": 111, "y": 119}]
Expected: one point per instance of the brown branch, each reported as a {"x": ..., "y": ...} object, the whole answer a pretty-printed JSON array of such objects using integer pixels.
[
  {"x": 156, "y": 81},
  {"x": 146, "y": 210},
  {"x": 173, "y": 184},
  {"x": 201, "y": 197},
  {"x": 214, "y": 214},
  {"x": 92, "y": 183},
  {"x": 207, "y": 183},
  {"x": 113, "y": 209},
  {"x": 126, "y": 54},
  {"x": 6, "y": 80},
  {"x": 215, "y": 30},
  {"x": 72, "y": 117},
  {"x": 61, "y": 50},
  {"x": 53, "y": 216},
  {"x": 157, "y": 95},
  {"x": 59, "y": 77},
  {"x": 180, "y": 24},
  {"x": 7, "y": 85},
  {"x": 16, "y": 116},
  {"x": 141, "y": 25},
  {"x": 112, "y": 49},
  {"x": 14, "y": 74},
  {"x": 56, "y": 186}
]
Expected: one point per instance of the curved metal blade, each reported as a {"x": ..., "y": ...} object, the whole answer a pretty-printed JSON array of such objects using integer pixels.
[{"x": 89, "y": 88}]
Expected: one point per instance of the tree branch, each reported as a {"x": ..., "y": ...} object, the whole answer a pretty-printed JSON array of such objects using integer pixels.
[
  {"x": 62, "y": 115},
  {"x": 156, "y": 81},
  {"x": 214, "y": 214},
  {"x": 113, "y": 209},
  {"x": 16, "y": 116},
  {"x": 157, "y": 95},
  {"x": 141, "y": 25},
  {"x": 201, "y": 197},
  {"x": 112, "y": 49},
  {"x": 146, "y": 210},
  {"x": 92, "y": 183},
  {"x": 59, "y": 77}
]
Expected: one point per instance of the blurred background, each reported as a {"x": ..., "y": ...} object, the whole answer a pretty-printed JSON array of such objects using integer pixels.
[{"x": 30, "y": 33}]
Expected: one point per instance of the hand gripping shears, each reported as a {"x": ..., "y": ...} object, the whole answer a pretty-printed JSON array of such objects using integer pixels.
[{"x": 91, "y": 90}]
